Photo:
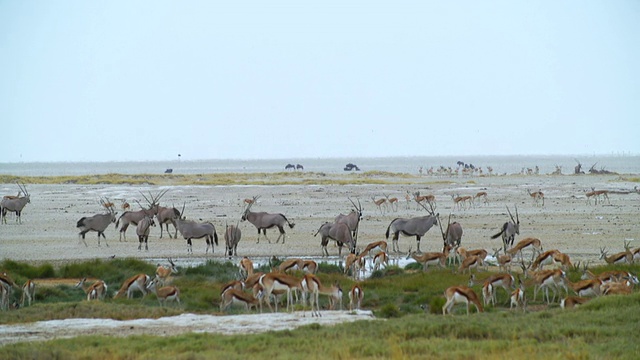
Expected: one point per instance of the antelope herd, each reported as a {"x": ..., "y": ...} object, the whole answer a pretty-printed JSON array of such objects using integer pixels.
[{"x": 254, "y": 289}]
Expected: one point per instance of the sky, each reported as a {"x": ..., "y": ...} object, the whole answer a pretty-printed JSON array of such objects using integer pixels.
[{"x": 148, "y": 80}]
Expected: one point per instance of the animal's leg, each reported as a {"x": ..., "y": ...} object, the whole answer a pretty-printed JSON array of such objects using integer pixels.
[
  {"x": 282, "y": 234},
  {"x": 146, "y": 245}
]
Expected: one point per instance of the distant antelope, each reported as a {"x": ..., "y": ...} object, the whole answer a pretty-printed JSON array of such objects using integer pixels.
[
  {"x": 380, "y": 203},
  {"x": 417, "y": 226},
  {"x": 143, "y": 229},
  {"x": 591, "y": 194},
  {"x": 28, "y": 292},
  {"x": 536, "y": 196},
  {"x": 393, "y": 202},
  {"x": 15, "y": 205},
  {"x": 509, "y": 230},
  {"x": 97, "y": 223},
  {"x": 125, "y": 206},
  {"x": 461, "y": 294},
  {"x": 483, "y": 195},
  {"x": 603, "y": 193},
  {"x": 97, "y": 291},
  {"x": 232, "y": 235},
  {"x": 263, "y": 221}
]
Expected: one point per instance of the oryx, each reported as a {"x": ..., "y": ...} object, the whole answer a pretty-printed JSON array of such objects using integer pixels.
[
  {"x": 190, "y": 229},
  {"x": 168, "y": 216},
  {"x": 453, "y": 235},
  {"x": 338, "y": 232},
  {"x": 142, "y": 230},
  {"x": 417, "y": 226},
  {"x": 232, "y": 235},
  {"x": 98, "y": 223},
  {"x": 509, "y": 230},
  {"x": 15, "y": 204},
  {"x": 352, "y": 219},
  {"x": 263, "y": 221},
  {"x": 134, "y": 217}
]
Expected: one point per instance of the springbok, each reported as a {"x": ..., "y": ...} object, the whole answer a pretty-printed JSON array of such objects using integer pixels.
[
  {"x": 97, "y": 223},
  {"x": 504, "y": 261},
  {"x": 355, "y": 264},
  {"x": 461, "y": 294},
  {"x": 428, "y": 258},
  {"x": 125, "y": 205},
  {"x": 338, "y": 232},
  {"x": 393, "y": 202},
  {"x": 277, "y": 281},
  {"x": 624, "y": 257},
  {"x": 232, "y": 235},
  {"x": 246, "y": 267},
  {"x": 490, "y": 285},
  {"x": 527, "y": 243},
  {"x": 142, "y": 230},
  {"x": 481, "y": 194},
  {"x": 380, "y": 203},
  {"x": 380, "y": 259},
  {"x": 263, "y": 221},
  {"x": 417, "y": 226},
  {"x": 28, "y": 292},
  {"x": 15, "y": 204},
  {"x": 135, "y": 283},
  {"x": 536, "y": 196},
  {"x": 164, "y": 272},
  {"x": 570, "y": 302},
  {"x": 509, "y": 230},
  {"x": 97, "y": 290},
  {"x": 165, "y": 293},
  {"x": 518, "y": 298},
  {"x": 235, "y": 296},
  {"x": 356, "y": 294}
]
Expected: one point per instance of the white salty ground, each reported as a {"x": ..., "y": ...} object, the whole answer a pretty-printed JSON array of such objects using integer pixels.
[{"x": 566, "y": 221}]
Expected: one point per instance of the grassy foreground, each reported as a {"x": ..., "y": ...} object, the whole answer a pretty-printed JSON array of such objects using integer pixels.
[{"x": 605, "y": 327}]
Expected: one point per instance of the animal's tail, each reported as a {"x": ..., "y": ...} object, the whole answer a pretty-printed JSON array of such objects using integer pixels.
[
  {"x": 504, "y": 227},
  {"x": 118, "y": 222},
  {"x": 215, "y": 237},
  {"x": 80, "y": 223},
  {"x": 291, "y": 225},
  {"x": 389, "y": 228},
  {"x": 318, "y": 232}
]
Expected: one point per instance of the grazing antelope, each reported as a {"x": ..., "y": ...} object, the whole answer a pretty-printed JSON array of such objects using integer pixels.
[
  {"x": 263, "y": 221},
  {"x": 309, "y": 266},
  {"x": 490, "y": 285},
  {"x": 480, "y": 253},
  {"x": 471, "y": 262},
  {"x": 338, "y": 232},
  {"x": 504, "y": 261},
  {"x": 545, "y": 258},
  {"x": 417, "y": 226},
  {"x": 142, "y": 230},
  {"x": 380, "y": 203},
  {"x": 97, "y": 223},
  {"x": 235, "y": 296},
  {"x": 583, "y": 288},
  {"x": 570, "y": 302},
  {"x": 97, "y": 290},
  {"x": 374, "y": 248},
  {"x": 458, "y": 295},
  {"x": 548, "y": 279},
  {"x": 290, "y": 264},
  {"x": 526, "y": 243},
  {"x": 311, "y": 285},
  {"x": 164, "y": 272},
  {"x": 135, "y": 283},
  {"x": 352, "y": 220},
  {"x": 536, "y": 196},
  {"x": 509, "y": 230},
  {"x": 232, "y": 235},
  {"x": 165, "y": 293},
  {"x": 422, "y": 199},
  {"x": 429, "y": 258},
  {"x": 15, "y": 205},
  {"x": 108, "y": 205},
  {"x": 277, "y": 281},
  {"x": 355, "y": 263},
  {"x": 393, "y": 202},
  {"x": 483, "y": 195},
  {"x": 6, "y": 287},
  {"x": 246, "y": 267},
  {"x": 28, "y": 292},
  {"x": 380, "y": 259},
  {"x": 562, "y": 260},
  {"x": 356, "y": 294},
  {"x": 190, "y": 229},
  {"x": 618, "y": 258},
  {"x": 591, "y": 194}
]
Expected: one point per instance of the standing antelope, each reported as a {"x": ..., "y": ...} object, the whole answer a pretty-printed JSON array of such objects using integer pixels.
[
  {"x": 604, "y": 193},
  {"x": 453, "y": 235},
  {"x": 97, "y": 291},
  {"x": 190, "y": 229},
  {"x": 15, "y": 204},
  {"x": 380, "y": 259},
  {"x": 504, "y": 261},
  {"x": 536, "y": 196},
  {"x": 460, "y": 294},
  {"x": 28, "y": 292},
  {"x": 352, "y": 219},
  {"x": 356, "y": 294},
  {"x": 143, "y": 229},
  {"x": 518, "y": 298},
  {"x": 166, "y": 216},
  {"x": 263, "y": 221},
  {"x": 509, "y": 230},
  {"x": 164, "y": 272},
  {"x": 380, "y": 203},
  {"x": 483, "y": 195},
  {"x": 355, "y": 263},
  {"x": 232, "y": 235},
  {"x": 97, "y": 223},
  {"x": 549, "y": 279},
  {"x": 125, "y": 205},
  {"x": 527, "y": 243},
  {"x": 165, "y": 293},
  {"x": 338, "y": 232},
  {"x": 393, "y": 202},
  {"x": 135, "y": 283},
  {"x": 417, "y": 226},
  {"x": 134, "y": 217},
  {"x": 490, "y": 285},
  {"x": 246, "y": 267},
  {"x": 277, "y": 281}
]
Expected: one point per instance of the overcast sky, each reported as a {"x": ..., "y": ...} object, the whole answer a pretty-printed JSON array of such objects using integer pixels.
[{"x": 138, "y": 80}]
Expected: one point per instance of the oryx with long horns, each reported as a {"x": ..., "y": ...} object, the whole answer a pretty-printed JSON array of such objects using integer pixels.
[
  {"x": 15, "y": 204},
  {"x": 263, "y": 221},
  {"x": 509, "y": 230}
]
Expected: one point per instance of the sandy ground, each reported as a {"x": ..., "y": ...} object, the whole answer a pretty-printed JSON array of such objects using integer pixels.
[{"x": 566, "y": 221}]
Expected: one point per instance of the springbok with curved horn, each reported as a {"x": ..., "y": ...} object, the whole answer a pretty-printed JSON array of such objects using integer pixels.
[
  {"x": 263, "y": 221},
  {"x": 417, "y": 226},
  {"x": 15, "y": 204},
  {"x": 509, "y": 230},
  {"x": 164, "y": 272}
]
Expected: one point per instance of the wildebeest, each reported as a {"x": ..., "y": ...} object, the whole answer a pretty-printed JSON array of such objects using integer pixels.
[
  {"x": 15, "y": 204},
  {"x": 142, "y": 230},
  {"x": 352, "y": 219},
  {"x": 290, "y": 167},
  {"x": 232, "y": 235},
  {"x": 263, "y": 221},
  {"x": 98, "y": 223},
  {"x": 509, "y": 230},
  {"x": 417, "y": 226},
  {"x": 190, "y": 229},
  {"x": 338, "y": 232}
]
